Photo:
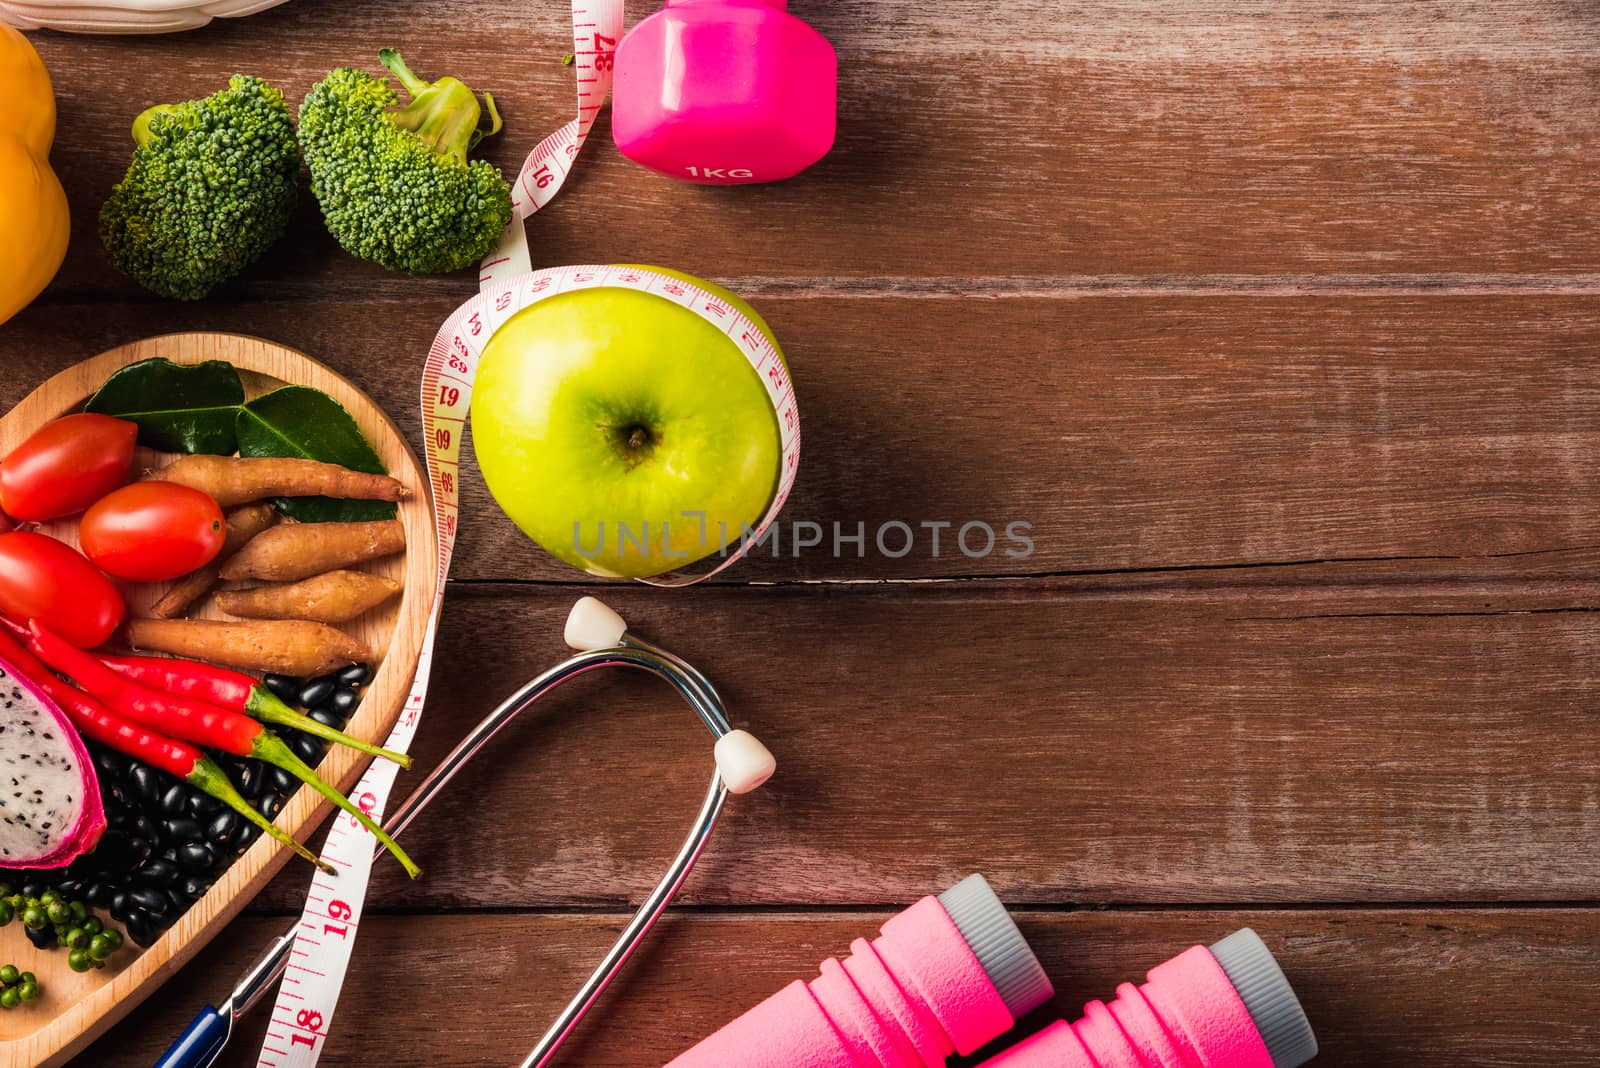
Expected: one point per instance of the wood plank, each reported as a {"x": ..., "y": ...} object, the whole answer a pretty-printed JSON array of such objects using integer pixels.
[
  {"x": 1097, "y": 139},
  {"x": 85, "y": 1005},
  {"x": 1382, "y": 738},
  {"x": 1419, "y": 989},
  {"x": 1132, "y": 432}
]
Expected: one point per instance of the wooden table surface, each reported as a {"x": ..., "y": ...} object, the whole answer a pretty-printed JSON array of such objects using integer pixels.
[{"x": 1278, "y": 321}]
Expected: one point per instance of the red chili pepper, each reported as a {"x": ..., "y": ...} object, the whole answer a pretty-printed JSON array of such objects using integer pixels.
[
  {"x": 194, "y": 721},
  {"x": 179, "y": 759},
  {"x": 235, "y": 691},
  {"x": 183, "y": 718}
]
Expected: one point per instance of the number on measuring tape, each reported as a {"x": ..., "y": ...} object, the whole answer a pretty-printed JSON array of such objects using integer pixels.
[
  {"x": 317, "y": 966},
  {"x": 331, "y": 919}
]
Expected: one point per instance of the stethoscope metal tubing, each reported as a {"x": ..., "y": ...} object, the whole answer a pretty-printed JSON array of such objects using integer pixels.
[
  {"x": 644, "y": 919},
  {"x": 633, "y": 652}
]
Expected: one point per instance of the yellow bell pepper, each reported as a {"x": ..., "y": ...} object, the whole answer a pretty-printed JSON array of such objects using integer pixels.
[{"x": 33, "y": 206}]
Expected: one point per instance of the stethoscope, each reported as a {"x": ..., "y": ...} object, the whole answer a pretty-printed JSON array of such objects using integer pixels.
[{"x": 601, "y": 637}]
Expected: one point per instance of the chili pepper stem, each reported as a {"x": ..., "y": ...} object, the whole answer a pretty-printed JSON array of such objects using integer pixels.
[
  {"x": 269, "y": 747},
  {"x": 266, "y": 707},
  {"x": 214, "y": 781}
]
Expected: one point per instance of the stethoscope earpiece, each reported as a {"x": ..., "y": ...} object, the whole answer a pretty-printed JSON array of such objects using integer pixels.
[
  {"x": 593, "y": 624},
  {"x": 601, "y": 639},
  {"x": 742, "y": 761}
]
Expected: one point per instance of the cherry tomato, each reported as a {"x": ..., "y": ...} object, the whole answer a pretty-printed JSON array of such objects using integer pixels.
[
  {"x": 44, "y": 579},
  {"x": 66, "y": 466},
  {"x": 152, "y": 531}
]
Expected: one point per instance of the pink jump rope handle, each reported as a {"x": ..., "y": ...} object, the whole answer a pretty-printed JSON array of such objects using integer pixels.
[
  {"x": 946, "y": 975},
  {"x": 1228, "y": 1006},
  {"x": 951, "y": 973},
  {"x": 724, "y": 92}
]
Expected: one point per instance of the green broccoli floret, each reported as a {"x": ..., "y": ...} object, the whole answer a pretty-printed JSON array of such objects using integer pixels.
[
  {"x": 395, "y": 186},
  {"x": 210, "y": 188}
]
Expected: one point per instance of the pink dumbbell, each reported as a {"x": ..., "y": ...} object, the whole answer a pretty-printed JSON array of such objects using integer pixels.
[
  {"x": 1227, "y": 1006},
  {"x": 947, "y": 975},
  {"x": 724, "y": 92}
]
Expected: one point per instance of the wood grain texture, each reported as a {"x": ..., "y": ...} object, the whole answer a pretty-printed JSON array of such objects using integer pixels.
[
  {"x": 1132, "y": 431},
  {"x": 1386, "y": 988},
  {"x": 981, "y": 140},
  {"x": 1278, "y": 321},
  {"x": 1360, "y": 735},
  {"x": 80, "y": 1007}
]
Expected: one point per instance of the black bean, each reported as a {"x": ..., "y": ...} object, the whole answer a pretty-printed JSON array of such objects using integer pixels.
[
  {"x": 317, "y": 691},
  {"x": 309, "y": 749},
  {"x": 71, "y": 888},
  {"x": 170, "y": 853},
  {"x": 34, "y": 886},
  {"x": 115, "y": 797},
  {"x": 121, "y": 906},
  {"x": 144, "y": 827},
  {"x": 283, "y": 780},
  {"x": 248, "y": 836},
  {"x": 144, "y": 779},
  {"x": 194, "y": 885},
  {"x": 138, "y": 851},
  {"x": 181, "y": 830},
  {"x": 272, "y": 806},
  {"x": 180, "y": 901},
  {"x": 150, "y": 900},
  {"x": 158, "y": 872},
  {"x": 202, "y": 806},
  {"x": 43, "y": 938},
  {"x": 141, "y": 929},
  {"x": 250, "y": 779},
  {"x": 110, "y": 764},
  {"x": 283, "y": 687},
  {"x": 196, "y": 856},
  {"x": 224, "y": 827},
  {"x": 326, "y": 716},
  {"x": 98, "y": 895},
  {"x": 355, "y": 675},
  {"x": 174, "y": 800},
  {"x": 344, "y": 701}
]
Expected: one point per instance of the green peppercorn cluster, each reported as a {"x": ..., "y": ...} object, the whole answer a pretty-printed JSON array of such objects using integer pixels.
[
  {"x": 16, "y": 986},
  {"x": 89, "y": 943}
]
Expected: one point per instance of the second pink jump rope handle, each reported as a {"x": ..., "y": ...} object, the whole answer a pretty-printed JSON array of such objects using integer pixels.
[
  {"x": 1228, "y": 1006},
  {"x": 947, "y": 975}
]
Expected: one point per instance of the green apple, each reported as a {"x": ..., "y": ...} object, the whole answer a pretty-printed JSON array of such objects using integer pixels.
[{"x": 608, "y": 421}]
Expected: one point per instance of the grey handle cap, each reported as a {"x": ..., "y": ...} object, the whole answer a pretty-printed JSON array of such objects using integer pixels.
[
  {"x": 993, "y": 937},
  {"x": 1267, "y": 995}
]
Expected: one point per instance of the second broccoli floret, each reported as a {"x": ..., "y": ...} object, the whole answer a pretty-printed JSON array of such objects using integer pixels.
[
  {"x": 395, "y": 186},
  {"x": 211, "y": 187}
]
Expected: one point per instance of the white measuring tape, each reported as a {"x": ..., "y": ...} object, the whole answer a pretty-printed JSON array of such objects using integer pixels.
[{"x": 320, "y": 959}]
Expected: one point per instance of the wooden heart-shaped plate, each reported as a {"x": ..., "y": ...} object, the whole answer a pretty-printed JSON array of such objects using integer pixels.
[{"x": 74, "y": 1009}]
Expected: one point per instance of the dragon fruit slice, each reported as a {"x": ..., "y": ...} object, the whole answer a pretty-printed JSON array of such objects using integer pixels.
[{"x": 50, "y": 810}]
